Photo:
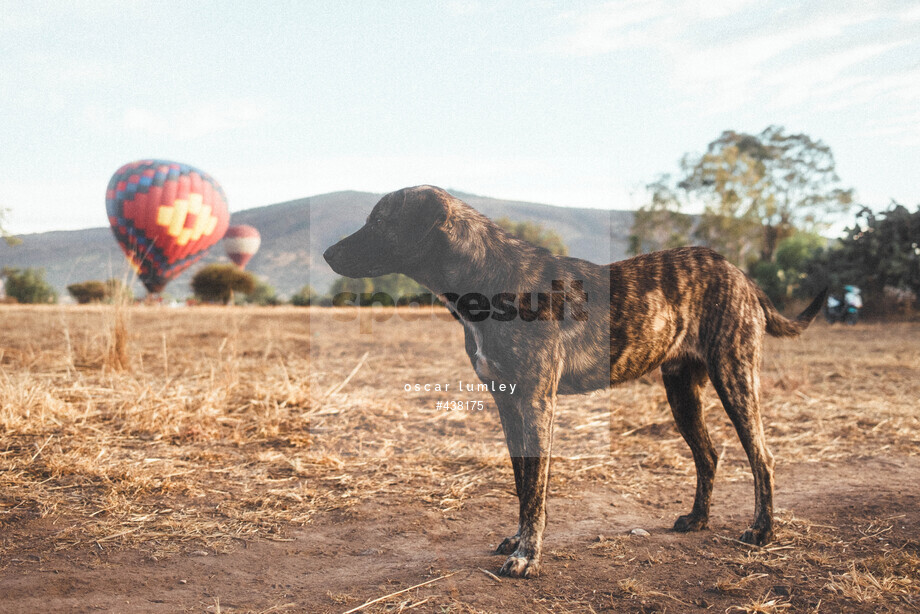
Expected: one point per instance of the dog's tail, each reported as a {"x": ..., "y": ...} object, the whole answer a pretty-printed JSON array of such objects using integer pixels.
[{"x": 778, "y": 326}]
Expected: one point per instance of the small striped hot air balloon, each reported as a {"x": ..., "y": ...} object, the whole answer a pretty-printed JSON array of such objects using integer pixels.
[
  {"x": 242, "y": 242},
  {"x": 165, "y": 216}
]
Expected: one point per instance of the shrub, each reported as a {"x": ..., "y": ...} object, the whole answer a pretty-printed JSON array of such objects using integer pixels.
[
  {"x": 89, "y": 291},
  {"x": 216, "y": 283},
  {"x": 305, "y": 297},
  {"x": 263, "y": 294},
  {"x": 28, "y": 286}
]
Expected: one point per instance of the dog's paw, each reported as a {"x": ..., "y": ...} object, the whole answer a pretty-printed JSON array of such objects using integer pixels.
[
  {"x": 509, "y": 545},
  {"x": 520, "y": 567},
  {"x": 689, "y": 522},
  {"x": 757, "y": 537}
]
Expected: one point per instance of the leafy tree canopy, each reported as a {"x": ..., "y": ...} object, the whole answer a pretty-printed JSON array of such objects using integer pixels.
[
  {"x": 535, "y": 233},
  {"x": 305, "y": 297},
  {"x": 659, "y": 224},
  {"x": 768, "y": 184},
  {"x": 397, "y": 286},
  {"x": 93, "y": 291},
  {"x": 216, "y": 283},
  {"x": 348, "y": 284},
  {"x": 263, "y": 294},
  {"x": 881, "y": 250},
  {"x": 754, "y": 191},
  {"x": 783, "y": 277},
  {"x": 28, "y": 285},
  {"x": 386, "y": 290}
]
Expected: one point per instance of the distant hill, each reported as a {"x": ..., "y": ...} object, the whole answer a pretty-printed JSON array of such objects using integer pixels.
[{"x": 294, "y": 236}]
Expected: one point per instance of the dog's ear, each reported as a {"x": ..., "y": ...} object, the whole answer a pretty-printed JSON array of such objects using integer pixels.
[{"x": 428, "y": 209}]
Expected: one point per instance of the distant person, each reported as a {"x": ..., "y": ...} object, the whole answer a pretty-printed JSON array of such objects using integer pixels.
[
  {"x": 852, "y": 297},
  {"x": 845, "y": 307}
]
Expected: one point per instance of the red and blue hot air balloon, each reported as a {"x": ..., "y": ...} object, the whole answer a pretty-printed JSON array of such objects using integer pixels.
[
  {"x": 165, "y": 216},
  {"x": 242, "y": 242}
]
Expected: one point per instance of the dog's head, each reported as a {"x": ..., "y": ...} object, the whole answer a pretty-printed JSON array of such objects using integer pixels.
[{"x": 403, "y": 228}]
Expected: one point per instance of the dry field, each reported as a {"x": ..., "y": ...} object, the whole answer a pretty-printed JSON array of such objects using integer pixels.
[{"x": 270, "y": 460}]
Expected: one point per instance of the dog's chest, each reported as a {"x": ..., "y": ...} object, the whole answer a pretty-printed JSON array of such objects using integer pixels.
[{"x": 475, "y": 346}]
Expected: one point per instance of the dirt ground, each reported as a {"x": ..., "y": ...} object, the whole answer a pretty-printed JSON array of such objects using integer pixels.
[{"x": 271, "y": 460}]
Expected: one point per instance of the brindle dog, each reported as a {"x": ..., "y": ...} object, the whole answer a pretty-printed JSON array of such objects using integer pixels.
[{"x": 555, "y": 325}]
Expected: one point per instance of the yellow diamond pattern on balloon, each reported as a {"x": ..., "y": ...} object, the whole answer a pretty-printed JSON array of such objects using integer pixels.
[
  {"x": 184, "y": 236},
  {"x": 180, "y": 210},
  {"x": 194, "y": 203},
  {"x": 173, "y": 217},
  {"x": 164, "y": 215},
  {"x": 204, "y": 219}
]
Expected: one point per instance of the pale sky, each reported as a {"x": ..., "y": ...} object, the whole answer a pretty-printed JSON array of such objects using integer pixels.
[{"x": 571, "y": 103}]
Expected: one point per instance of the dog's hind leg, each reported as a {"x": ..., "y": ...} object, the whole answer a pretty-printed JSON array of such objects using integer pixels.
[
  {"x": 683, "y": 381},
  {"x": 736, "y": 380},
  {"x": 510, "y": 415}
]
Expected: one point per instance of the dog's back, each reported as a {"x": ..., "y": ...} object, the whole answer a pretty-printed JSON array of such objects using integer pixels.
[{"x": 686, "y": 303}]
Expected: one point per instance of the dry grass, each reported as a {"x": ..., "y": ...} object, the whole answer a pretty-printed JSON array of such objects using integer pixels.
[
  {"x": 117, "y": 343},
  {"x": 174, "y": 430}
]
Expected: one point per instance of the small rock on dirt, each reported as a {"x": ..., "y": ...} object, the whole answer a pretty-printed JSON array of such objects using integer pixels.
[{"x": 639, "y": 533}]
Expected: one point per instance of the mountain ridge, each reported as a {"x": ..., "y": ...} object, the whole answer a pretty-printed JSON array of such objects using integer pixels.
[{"x": 294, "y": 235}]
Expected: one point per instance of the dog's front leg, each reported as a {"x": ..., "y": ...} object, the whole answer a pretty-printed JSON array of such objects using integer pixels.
[
  {"x": 534, "y": 445},
  {"x": 510, "y": 413}
]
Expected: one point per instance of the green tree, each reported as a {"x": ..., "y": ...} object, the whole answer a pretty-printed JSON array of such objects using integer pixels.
[
  {"x": 28, "y": 286},
  {"x": 216, "y": 283},
  {"x": 386, "y": 290},
  {"x": 880, "y": 250},
  {"x": 758, "y": 189},
  {"x": 349, "y": 284},
  {"x": 305, "y": 297},
  {"x": 343, "y": 286},
  {"x": 659, "y": 224},
  {"x": 793, "y": 253},
  {"x": 263, "y": 294},
  {"x": 535, "y": 233},
  {"x": 397, "y": 286},
  {"x": 118, "y": 292},
  {"x": 781, "y": 278},
  {"x": 92, "y": 291},
  {"x": 771, "y": 280}
]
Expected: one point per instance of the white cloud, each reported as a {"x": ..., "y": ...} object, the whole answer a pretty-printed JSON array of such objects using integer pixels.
[
  {"x": 70, "y": 203},
  {"x": 467, "y": 8},
  {"x": 911, "y": 12},
  {"x": 737, "y": 54},
  {"x": 829, "y": 76},
  {"x": 900, "y": 128},
  {"x": 615, "y": 25},
  {"x": 195, "y": 122}
]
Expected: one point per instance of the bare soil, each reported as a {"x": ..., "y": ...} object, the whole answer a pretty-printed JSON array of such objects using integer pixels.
[{"x": 270, "y": 460}]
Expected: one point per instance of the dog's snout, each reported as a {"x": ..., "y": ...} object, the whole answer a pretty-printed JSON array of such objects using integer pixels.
[{"x": 360, "y": 254}]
